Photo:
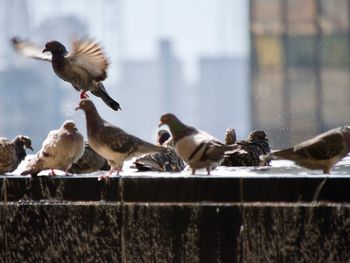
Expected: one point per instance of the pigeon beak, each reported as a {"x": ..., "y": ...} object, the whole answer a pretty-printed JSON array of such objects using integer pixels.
[
  {"x": 77, "y": 108},
  {"x": 30, "y": 147},
  {"x": 160, "y": 124},
  {"x": 45, "y": 50}
]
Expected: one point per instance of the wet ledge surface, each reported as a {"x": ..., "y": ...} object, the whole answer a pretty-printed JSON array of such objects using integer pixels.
[{"x": 279, "y": 214}]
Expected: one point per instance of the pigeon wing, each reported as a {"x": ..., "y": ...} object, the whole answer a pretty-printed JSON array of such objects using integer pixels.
[
  {"x": 29, "y": 50},
  {"x": 321, "y": 147},
  {"x": 89, "y": 55}
]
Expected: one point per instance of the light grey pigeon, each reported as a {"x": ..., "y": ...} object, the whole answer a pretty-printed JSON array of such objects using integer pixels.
[
  {"x": 161, "y": 162},
  {"x": 112, "y": 142},
  {"x": 85, "y": 67},
  {"x": 13, "y": 152},
  {"x": 248, "y": 151},
  {"x": 89, "y": 162},
  {"x": 197, "y": 148},
  {"x": 60, "y": 150},
  {"x": 320, "y": 152}
]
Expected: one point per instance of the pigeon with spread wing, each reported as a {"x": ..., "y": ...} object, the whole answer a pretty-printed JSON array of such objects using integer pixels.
[{"x": 85, "y": 67}]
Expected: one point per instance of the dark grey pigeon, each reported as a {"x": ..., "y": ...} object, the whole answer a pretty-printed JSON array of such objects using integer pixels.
[
  {"x": 320, "y": 152},
  {"x": 85, "y": 67},
  {"x": 248, "y": 152},
  {"x": 89, "y": 162},
  {"x": 12, "y": 153},
  {"x": 197, "y": 148},
  {"x": 161, "y": 162},
  {"x": 112, "y": 142}
]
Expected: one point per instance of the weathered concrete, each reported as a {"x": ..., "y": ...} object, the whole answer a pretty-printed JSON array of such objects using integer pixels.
[{"x": 191, "y": 232}]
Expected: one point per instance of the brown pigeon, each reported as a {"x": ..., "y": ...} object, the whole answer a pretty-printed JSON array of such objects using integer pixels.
[
  {"x": 230, "y": 136},
  {"x": 60, "y": 150},
  {"x": 85, "y": 67},
  {"x": 248, "y": 151},
  {"x": 89, "y": 162},
  {"x": 13, "y": 152},
  {"x": 161, "y": 162},
  {"x": 112, "y": 142},
  {"x": 197, "y": 148},
  {"x": 320, "y": 152}
]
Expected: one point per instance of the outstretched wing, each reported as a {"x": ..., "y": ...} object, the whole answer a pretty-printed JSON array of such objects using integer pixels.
[
  {"x": 28, "y": 49},
  {"x": 89, "y": 55}
]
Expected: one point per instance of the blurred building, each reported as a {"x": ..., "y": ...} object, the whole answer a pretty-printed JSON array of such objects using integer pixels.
[
  {"x": 299, "y": 67},
  {"x": 222, "y": 95}
]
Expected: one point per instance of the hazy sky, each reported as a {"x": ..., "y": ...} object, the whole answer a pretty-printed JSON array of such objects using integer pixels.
[{"x": 197, "y": 27}]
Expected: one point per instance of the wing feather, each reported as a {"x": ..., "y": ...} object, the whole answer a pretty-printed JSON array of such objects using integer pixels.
[{"x": 29, "y": 50}]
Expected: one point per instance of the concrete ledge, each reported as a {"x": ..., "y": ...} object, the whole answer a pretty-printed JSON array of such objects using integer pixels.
[
  {"x": 175, "y": 189},
  {"x": 129, "y": 232}
]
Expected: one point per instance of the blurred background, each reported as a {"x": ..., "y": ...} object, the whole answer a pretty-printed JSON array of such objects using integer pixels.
[{"x": 277, "y": 65}]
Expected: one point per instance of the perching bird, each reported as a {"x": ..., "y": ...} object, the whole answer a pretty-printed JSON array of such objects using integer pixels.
[
  {"x": 60, "y": 150},
  {"x": 197, "y": 148},
  {"x": 230, "y": 136},
  {"x": 247, "y": 152},
  {"x": 112, "y": 142},
  {"x": 13, "y": 152},
  {"x": 320, "y": 152},
  {"x": 160, "y": 162},
  {"x": 89, "y": 162},
  {"x": 85, "y": 67}
]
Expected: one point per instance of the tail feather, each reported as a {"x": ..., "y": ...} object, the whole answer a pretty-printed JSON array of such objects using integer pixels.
[
  {"x": 287, "y": 154},
  {"x": 101, "y": 92}
]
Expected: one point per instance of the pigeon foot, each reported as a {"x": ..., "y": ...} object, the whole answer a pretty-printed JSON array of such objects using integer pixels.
[{"x": 83, "y": 95}]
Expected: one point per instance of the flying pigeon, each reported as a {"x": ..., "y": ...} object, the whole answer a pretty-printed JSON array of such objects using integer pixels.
[
  {"x": 320, "y": 152},
  {"x": 112, "y": 142},
  {"x": 89, "y": 162},
  {"x": 247, "y": 152},
  {"x": 161, "y": 162},
  {"x": 85, "y": 67},
  {"x": 197, "y": 148},
  {"x": 60, "y": 150},
  {"x": 13, "y": 152}
]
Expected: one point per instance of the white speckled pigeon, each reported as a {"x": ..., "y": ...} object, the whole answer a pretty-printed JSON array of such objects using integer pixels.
[
  {"x": 161, "y": 162},
  {"x": 112, "y": 142},
  {"x": 197, "y": 148},
  {"x": 60, "y": 150},
  {"x": 320, "y": 152},
  {"x": 13, "y": 152},
  {"x": 248, "y": 151},
  {"x": 85, "y": 67},
  {"x": 90, "y": 162}
]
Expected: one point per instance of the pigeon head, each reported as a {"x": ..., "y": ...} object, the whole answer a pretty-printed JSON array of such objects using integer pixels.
[
  {"x": 24, "y": 141},
  {"x": 69, "y": 126},
  {"x": 230, "y": 136},
  {"x": 86, "y": 105},
  {"x": 163, "y": 136},
  {"x": 257, "y": 136},
  {"x": 56, "y": 48}
]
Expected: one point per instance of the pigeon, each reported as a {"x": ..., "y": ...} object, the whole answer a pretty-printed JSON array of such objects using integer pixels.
[
  {"x": 60, "y": 150},
  {"x": 248, "y": 151},
  {"x": 230, "y": 136},
  {"x": 320, "y": 152},
  {"x": 112, "y": 142},
  {"x": 89, "y": 162},
  {"x": 85, "y": 67},
  {"x": 197, "y": 148},
  {"x": 161, "y": 162},
  {"x": 13, "y": 152}
]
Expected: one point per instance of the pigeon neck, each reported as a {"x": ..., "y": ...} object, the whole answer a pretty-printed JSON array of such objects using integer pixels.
[
  {"x": 179, "y": 130},
  {"x": 21, "y": 153},
  {"x": 93, "y": 120},
  {"x": 58, "y": 59}
]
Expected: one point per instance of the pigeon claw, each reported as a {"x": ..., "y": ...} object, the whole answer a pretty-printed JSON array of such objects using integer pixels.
[{"x": 83, "y": 95}]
